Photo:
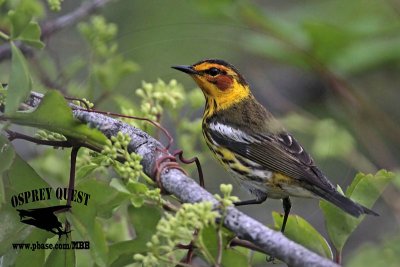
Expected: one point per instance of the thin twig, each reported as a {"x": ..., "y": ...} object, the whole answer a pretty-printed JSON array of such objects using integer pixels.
[
  {"x": 196, "y": 160},
  {"x": 87, "y": 8},
  {"x": 5, "y": 50},
  {"x": 156, "y": 124},
  {"x": 45, "y": 78},
  {"x": 168, "y": 206},
  {"x": 71, "y": 184},
  {"x": 15, "y": 135},
  {"x": 236, "y": 242},
  {"x": 220, "y": 247},
  {"x": 338, "y": 256}
]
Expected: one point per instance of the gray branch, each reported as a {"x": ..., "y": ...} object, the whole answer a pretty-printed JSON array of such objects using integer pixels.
[
  {"x": 87, "y": 8},
  {"x": 187, "y": 190}
]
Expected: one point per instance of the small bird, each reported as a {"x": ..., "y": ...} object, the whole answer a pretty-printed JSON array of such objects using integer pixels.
[{"x": 254, "y": 147}]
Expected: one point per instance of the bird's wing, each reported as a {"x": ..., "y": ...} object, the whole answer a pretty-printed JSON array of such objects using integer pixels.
[{"x": 277, "y": 152}]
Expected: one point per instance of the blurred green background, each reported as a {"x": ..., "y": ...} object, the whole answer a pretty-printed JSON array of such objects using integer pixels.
[{"x": 329, "y": 69}]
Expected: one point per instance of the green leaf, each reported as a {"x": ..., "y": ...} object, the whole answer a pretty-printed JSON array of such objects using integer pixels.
[
  {"x": 33, "y": 258},
  {"x": 105, "y": 197},
  {"x": 145, "y": 220},
  {"x": 7, "y": 154},
  {"x": 61, "y": 257},
  {"x": 60, "y": 121},
  {"x": 137, "y": 201},
  {"x": 11, "y": 230},
  {"x": 19, "y": 21},
  {"x": 368, "y": 187},
  {"x": 365, "y": 189},
  {"x": 22, "y": 14},
  {"x": 83, "y": 220},
  {"x": 138, "y": 190},
  {"x": 20, "y": 81},
  {"x": 85, "y": 171},
  {"x": 31, "y": 35},
  {"x": 20, "y": 177},
  {"x": 17, "y": 178},
  {"x": 230, "y": 256},
  {"x": 98, "y": 241},
  {"x": 300, "y": 231}
]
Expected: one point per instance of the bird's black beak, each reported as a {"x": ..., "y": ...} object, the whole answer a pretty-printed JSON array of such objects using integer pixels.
[{"x": 185, "y": 69}]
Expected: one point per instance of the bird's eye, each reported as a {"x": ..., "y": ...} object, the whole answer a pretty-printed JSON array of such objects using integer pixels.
[{"x": 213, "y": 71}]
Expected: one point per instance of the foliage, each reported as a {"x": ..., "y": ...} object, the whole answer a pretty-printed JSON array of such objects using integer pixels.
[
  {"x": 226, "y": 200},
  {"x": 61, "y": 120},
  {"x": 109, "y": 67},
  {"x": 365, "y": 189},
  {"x": 156, "y": 96},
  {"x": 174, "y": 230},
  {"x": 300, "y": 231},
  {"x": 84, "y": 103},
  {"x": 116, "y": 147},
  {"x": 20, "y": 81},
  {"x": 50, "y": 136},
  {"x": 55, "y": 5}
]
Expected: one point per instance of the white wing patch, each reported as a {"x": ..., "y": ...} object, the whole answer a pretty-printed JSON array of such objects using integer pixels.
[{"x": 232, "y": 133}]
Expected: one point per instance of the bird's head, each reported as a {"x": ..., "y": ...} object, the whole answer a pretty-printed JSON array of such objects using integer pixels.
[{"x": 220, "y": 82}]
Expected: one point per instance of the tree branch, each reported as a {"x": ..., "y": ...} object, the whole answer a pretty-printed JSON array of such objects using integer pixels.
[
  {"x": 187, "y": 190},
  {"x": 53, "y": 26}
]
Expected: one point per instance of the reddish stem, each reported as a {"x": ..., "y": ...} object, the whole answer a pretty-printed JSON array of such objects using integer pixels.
[{"x": 179, "y": 153}]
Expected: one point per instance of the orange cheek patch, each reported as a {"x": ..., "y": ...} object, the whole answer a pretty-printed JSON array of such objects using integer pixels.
[{"x": 223, "y": 82}]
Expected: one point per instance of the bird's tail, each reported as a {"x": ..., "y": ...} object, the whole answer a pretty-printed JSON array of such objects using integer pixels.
[{"x": 344, "y": 203}]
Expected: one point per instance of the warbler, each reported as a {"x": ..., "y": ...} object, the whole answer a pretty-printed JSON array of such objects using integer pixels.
[{"x": 254, "y": 147}]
